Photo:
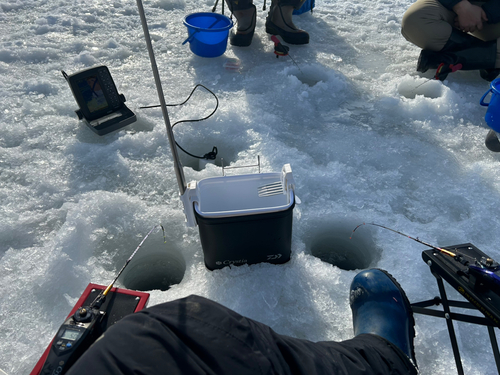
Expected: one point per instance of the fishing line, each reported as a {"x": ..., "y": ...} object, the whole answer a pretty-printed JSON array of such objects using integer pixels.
[
  {"x": 441, "y": 73},
  {"x": 209, "y": 155},
  {"x": 282, "y": 50},
  {"x": 444, "y": 251}
]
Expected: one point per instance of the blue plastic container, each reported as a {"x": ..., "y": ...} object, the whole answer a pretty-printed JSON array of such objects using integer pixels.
[
  {"x": 492, "y": 116},
  {"x": 306, "y": 7},
  {"x": 207, "y": 33}
]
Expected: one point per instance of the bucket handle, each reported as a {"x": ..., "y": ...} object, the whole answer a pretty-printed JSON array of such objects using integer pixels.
[
  {"x": 484, "y": 96},
  {"x": 190, "y": 38}
]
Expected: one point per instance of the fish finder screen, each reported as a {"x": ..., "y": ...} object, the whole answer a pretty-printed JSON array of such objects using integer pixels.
[{"x": 92, "y": 93}]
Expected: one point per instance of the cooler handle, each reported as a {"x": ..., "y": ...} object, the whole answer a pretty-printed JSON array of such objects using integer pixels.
[
  {"x": 484, "y": 96},
  {"x": 188, "y": 199}
]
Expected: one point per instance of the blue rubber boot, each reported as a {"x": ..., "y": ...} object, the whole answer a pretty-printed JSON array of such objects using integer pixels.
[{"x": 380, "y": 307}]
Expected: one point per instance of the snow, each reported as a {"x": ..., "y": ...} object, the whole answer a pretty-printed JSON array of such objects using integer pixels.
[{"x": 364, "y": 142}]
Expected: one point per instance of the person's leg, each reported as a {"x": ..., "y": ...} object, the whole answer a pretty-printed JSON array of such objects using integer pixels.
[
  {"x": 365, "y": 354},
  {"x": 427, "y": 24},
  {"x": 488, "y": 33},
  {"x": 197, "y": 336},
  {"x": 279, "y": 21},
  {"x": 246, "y": 17},
  {"x": 462, "y": 51},
  {"x": 239, "y": 4},
  {"x": 192, "y": 336}
]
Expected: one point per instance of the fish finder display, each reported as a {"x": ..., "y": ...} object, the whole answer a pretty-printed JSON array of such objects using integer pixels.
[
  {"x": 100, "y": 105},
  {"x": 92, "y": 93}
]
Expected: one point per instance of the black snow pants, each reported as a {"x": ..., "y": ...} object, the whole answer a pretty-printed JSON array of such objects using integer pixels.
[{"x": 194, "y": 335}]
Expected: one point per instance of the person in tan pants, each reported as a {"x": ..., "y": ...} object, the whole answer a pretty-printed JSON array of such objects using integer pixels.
[{"x": 454, "y": 35}]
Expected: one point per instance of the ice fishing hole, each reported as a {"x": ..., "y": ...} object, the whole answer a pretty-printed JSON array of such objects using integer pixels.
[
  {"x": 308, "y": 80},
  {"x": 154, "y": 271},
  {"x": 332, "y": 244},
  {"x": 428, "y": 88},
  {"x": 310, "y": 75},
  {"x": 229, "y": 154}
]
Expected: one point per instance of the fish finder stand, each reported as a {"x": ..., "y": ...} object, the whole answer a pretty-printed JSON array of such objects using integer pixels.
[{"x": 476, "y": 277}]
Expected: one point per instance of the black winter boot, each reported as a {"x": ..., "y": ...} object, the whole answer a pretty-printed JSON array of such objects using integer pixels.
[
  {"x": 462, "y": 52},
  {"x": 279, "y": 21},
  {"x": 492, "y": 143},
  {"x": 489, "y": 74},
  {"x": 380, "y": 307}
]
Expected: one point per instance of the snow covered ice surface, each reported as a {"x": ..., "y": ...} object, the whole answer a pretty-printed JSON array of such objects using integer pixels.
[{"x": 363, "y": 143}]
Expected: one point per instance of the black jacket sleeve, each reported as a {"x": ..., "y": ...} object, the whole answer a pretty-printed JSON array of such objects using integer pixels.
[
  {"x": 492, "y": 10},
  {"x": 449, "y": 4}
]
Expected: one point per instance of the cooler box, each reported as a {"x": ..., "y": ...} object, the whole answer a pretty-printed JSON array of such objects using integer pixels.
[{"x": 244, "y": 219}]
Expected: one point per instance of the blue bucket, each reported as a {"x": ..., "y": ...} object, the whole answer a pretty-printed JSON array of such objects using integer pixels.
[
  {"x": 492, "y": 116},
  {"x": 207, "y": 33},
  {"x": 306, "y": 7}
]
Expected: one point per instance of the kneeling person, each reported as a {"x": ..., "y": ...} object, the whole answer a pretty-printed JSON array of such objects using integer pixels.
[{"x": 454, "y": 35}]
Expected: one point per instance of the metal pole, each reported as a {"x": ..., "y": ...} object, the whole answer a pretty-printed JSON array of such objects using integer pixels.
[{"x": 179, "y": 173}]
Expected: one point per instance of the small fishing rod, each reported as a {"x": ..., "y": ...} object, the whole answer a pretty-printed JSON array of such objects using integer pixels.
[
  {"x": 423, "y": 83},
  {"x": 282, "y": 50},
  {"x": 486, "y": 270},
  {"x": 447, "y": 252},
  {"x": 102, "y": 296},
  {"x": 441, "y": 73}
]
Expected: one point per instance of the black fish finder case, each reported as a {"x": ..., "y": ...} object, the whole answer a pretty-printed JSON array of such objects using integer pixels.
[{"x": 101, "y": 107}]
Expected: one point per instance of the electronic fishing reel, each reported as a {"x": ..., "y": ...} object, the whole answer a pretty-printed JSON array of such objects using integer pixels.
[
  {"x": 485, "y": 274},
  {"x": 475, "y": 275},
  {"x": 73, "y": 338}
]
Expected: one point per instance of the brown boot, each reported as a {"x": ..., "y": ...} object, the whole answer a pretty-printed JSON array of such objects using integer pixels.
[
  {"x": 279, "y": 22},
  {"x": 246, "y": 16}
]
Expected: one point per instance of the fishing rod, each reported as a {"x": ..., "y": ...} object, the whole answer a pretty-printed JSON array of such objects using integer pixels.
[
  {"x": 282, "y": 50},
  {"x": 485, "y": 269},
  {"x": 423, "y": 83},
  {"x": 102, "y": 296},
  {"x": 441, "y": 73},
  {"x": 447, "y": 252},
  {"x": 82, "y": 328}
]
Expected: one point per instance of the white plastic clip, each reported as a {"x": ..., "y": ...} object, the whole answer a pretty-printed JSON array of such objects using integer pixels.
[
  {"x": 188, "y": 198},
  {"x": 287, "y": 179}
]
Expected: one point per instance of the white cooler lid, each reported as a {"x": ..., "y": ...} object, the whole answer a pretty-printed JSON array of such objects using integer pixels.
[{"x": 242, "y": 195}]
